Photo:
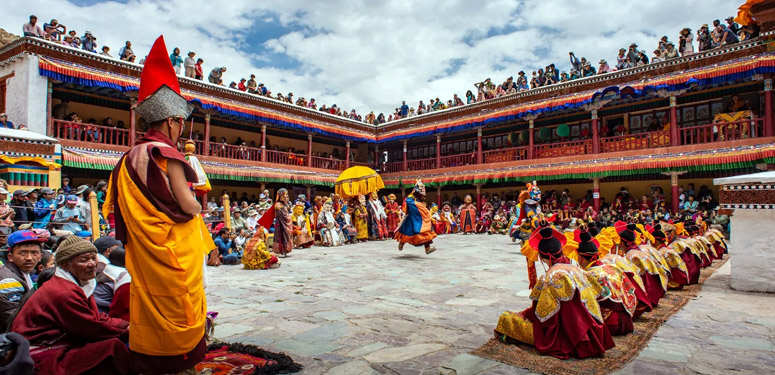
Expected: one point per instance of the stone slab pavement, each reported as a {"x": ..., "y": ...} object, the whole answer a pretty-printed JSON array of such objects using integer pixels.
[{"x": 370, "y": 309}]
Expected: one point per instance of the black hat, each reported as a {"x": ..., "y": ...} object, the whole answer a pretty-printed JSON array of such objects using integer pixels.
[
  {"x": 549, "y": 243},
  {"x": 105, "y": 242},
  {"x": 626, "y": 231}
]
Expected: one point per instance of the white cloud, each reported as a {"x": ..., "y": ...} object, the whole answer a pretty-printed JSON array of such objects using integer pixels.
[{"x": 372, "y": 55}]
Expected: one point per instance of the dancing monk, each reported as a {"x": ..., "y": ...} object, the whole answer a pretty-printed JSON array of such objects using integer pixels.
[
  {"x": 415, "y": 228},
  {"x": 158, "y": 220}
]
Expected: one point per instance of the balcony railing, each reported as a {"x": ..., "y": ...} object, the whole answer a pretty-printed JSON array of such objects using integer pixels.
[
  {"x": 572, "y": 148},
  {"x": 421, "y": 164},
  {"x": 725, "y": 131},
  {"x": 458, "y": 160},
  {"x": 635, "y": 141},
  {"x": 393, "y": 167},
  {"x": 235, "y": 152},
  {"x": 77, "y": 131},
  {"x": 287, "y": 158},
  {"x": 328, "y": 163},
  {"x": 504, "y": 155}
]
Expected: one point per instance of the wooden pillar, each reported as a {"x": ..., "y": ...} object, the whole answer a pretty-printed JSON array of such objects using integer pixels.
[
  {"x": 309, "y": 152},
  {"x": 478, "y": 197},
  {"x": 769, "y": 130},
  {"x": 49, "y": 109},
  {"x": 674, "y": 189},
  {"x": 438, "y": 151},
  {"x": 596, "y": 194},
  {"x": 595, "y": 134},
  {"x": 309, "y": 194},
  {"x": 479, "y": 154},
  {"x": 132, "y": 122},
  {"x": 377, "y": 159},
  {"x": 263, "y": 143},
  {"x": 674, "y": 141},
  {"x": 438, "y": 196},
  {"x": 404, "y": 168},
  {"x": 206, "y": 142},
  {"x": 347, "y": 155},
  {"x": 531, "y": 138},
  {"x": 94, "y": 220}
]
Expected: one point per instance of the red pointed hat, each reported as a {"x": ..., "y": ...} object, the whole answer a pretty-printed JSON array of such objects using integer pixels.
[{"x": 159, "y": 97}]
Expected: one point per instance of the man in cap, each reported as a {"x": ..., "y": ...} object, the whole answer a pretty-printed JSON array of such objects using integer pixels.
[
  {"x": 82, "y": 193},
  {"x": 63, "y": 312},
  {"x": 70, "y": 216},
  {"x": 158, "y": 220},
  {"x": 415, "y": 228},
  {"x": 106, "y": 275},
  {"x": 24, "y": 211},
  {"x": 24, "y": 252},
  {"x": 252, "y": 219},
  {"x": 237, "y": 221},
  {"x": 44, "y": 208}
]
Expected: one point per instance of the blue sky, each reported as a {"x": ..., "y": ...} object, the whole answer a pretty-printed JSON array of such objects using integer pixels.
[{"x": 371, "y": 55}]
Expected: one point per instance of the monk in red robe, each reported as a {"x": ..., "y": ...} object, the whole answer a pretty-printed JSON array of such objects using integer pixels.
[
  {"x": 468, "y": 216},
  {"x": 565, "y": 320},
  {"x": 67, "y": 334}
]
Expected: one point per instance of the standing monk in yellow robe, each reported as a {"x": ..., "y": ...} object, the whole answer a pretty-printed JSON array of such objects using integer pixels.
[{"x": 158, "y": 220}]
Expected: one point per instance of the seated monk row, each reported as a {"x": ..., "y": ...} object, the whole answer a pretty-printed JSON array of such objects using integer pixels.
[{"x": 597, "y": 282}]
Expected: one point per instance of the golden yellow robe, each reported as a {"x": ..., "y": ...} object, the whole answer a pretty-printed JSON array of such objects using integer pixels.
[{"x": 167, "y": 304}]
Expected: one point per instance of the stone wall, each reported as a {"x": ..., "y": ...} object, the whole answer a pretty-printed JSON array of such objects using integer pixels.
[
  {"x": 752, "y": 246},
  {"x": 26, "y": 93}
]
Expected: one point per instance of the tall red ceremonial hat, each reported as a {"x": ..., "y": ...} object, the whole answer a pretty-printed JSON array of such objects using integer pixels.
[{"x": 159, "y": 97}]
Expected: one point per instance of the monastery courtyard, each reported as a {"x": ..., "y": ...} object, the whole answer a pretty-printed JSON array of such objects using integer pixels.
[{"x": 370, "y": 309}]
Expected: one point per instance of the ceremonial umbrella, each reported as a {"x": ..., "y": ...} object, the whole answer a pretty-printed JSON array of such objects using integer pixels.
[{"x": 358, "y": 180}]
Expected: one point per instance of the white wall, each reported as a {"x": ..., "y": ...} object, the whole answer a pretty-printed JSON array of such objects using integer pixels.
[
  {"x": 25, "y": 99},
  {"x": 751, "y": 248}
]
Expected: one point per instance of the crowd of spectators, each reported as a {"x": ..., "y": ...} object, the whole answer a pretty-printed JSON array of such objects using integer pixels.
[{"x": 722, "y": 33}]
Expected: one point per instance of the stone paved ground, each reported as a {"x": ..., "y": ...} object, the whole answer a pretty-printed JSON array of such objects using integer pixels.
[{"x": 370, "y": 309}]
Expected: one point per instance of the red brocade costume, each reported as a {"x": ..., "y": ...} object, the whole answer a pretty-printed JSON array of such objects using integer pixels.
[{"x": 565, "y": 319}]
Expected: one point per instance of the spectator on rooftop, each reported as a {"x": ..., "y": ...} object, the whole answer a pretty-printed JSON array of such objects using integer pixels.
[
  {"x": 621, "y": 59},
  {"x": 732, "y": 26},
  {"x": 177, "y": 61},
  {"x": 241, "y": 86},
  {"x": 705, "y": 42},
  {"x": 88, "y": 42},
  {"x": 233, "y": 85},
  {"x": 685, "y": 46},
  {"x": 126, "y": 53},
  {"x": 671, "y": 52},
  {"x": 216, "y": 75},
  {"x": 588, "y": 70},
  {"x": 404, "y": 109},
  {"x": 106, "y": 52},
  {"x": 717, "y": 33},
  {"x": 574, "y": 61},
  {"x": 262, "y": 90},
  {"x": 54, "y": 30},
  {"x": 663, "y": 43},
  {"x": 72, "y": 39},
  {"x": 198, "y": 72},
  {"x": 4, "y": 123},
  {"x": 727, "y": 36},
  {"x": 657, "y": 56},
  {"x": 252, "y": 84},
  {"x": 632, "y": 54},
  {"x": 642, "y": 58},
  {"x": 604, "y": 67},
  {"x": 31, "y": 28},
  {"x": 190, "y": 64}
]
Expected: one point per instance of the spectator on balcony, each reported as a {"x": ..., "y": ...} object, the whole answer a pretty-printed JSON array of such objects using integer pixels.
[
  {"x": 216, "y": 75},
  {"x": 588, "y": 70},
  {"x": 262, "y": 90},
  {"x": 685, "y": 46},
  {"x": 642, "y": 58},
  {"x": 704, "y": 40},
  {"x": 190, "y": 64},
  {"x": 88, "y": 42},
  {"x": 106, "y": 52},
  {"x": 4, "y": 123},
  {"x": 60, "y": 110},
  {"x": 717, "y": 33},
  {"x": 632, "y": 55},
  {"x": 31, "y": 28},
  {"x": 198, "y": 72},
  {"x": 241, "y": 86},
  {"x": 604, "y": 67},
  {"x": 54, "y": 30},
  {"x": 233, "y": 85}
]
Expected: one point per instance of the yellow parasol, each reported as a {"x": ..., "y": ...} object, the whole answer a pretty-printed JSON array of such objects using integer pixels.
[{"x": 358, "y": 180}]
